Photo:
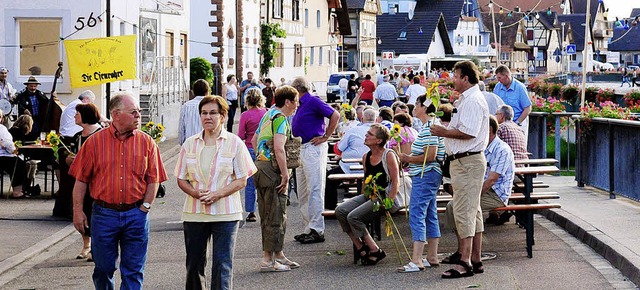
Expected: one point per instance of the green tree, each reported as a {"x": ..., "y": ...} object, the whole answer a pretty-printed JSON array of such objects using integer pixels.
[
  {"x": 268, "y": 45},
  {"x": 200, "y": 68}
]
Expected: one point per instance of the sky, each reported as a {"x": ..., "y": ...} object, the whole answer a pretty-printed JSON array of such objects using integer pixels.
[{"x": 621, "y": 8}]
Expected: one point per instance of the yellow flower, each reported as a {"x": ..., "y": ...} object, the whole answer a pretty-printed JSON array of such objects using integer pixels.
[
  {"x": 345, "y": 106},
  {"x": 368, "y": 180},
  {"x": 149, "y": 124},
  {"x": 433, "y": 86},
  {"x": 396, "y": 128},
  {"x": 160, "y": 127}
]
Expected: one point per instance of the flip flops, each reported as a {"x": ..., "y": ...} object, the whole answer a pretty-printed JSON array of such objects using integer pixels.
[
  {"x": 426, "y": 264},
  {"x": 274, "y": 267},
  {"x": 287, "y": 262}
]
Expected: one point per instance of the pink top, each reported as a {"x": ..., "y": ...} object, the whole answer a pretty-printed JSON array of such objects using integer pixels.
[
  {"x": 408, "y": 134},
  {"x": 249, "y": 122}
]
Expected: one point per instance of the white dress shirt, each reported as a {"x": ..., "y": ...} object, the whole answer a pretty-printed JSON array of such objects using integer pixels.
[
  {"x": 68, "y": 126},
  {"x": 472, "y": 119},
  {"x": 6, "y": 142},
  {"x": 385, "y": 92}
]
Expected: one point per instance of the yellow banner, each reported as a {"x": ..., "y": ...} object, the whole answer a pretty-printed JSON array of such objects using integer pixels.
[{"x": 97, "y": 61}]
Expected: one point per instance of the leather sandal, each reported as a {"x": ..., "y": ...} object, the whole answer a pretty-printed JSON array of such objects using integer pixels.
[
  {"x": 454, "y": 274},
  {"x": 374, "y": 257},
  {"x": 359, "y": 254},
  {"x": 453, "y": 259},
  {"x": 477, "y": 267},
  {"x": 410, "y": 268}
]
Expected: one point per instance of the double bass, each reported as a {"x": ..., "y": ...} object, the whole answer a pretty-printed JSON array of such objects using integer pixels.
[{"x": 54, "y": 107}]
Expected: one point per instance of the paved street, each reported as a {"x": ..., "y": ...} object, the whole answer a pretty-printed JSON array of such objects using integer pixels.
[{"x": 48, "y": 248}]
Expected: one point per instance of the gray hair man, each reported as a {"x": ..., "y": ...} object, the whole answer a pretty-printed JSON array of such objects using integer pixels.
[
  {"x": 493, "y": 100},
  {"x": 511, "y": 133},
  {"x": 68, "y": 127}
]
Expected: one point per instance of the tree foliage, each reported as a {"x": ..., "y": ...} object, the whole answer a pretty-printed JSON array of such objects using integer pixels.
[
  {"x": 268, "y": 45},
  {"x": 200, "y": 68}
]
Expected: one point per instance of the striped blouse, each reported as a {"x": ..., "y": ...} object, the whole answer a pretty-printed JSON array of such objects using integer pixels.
[
  {"x": 418, "y": 148},
  {"x": 231, "y": 161}
]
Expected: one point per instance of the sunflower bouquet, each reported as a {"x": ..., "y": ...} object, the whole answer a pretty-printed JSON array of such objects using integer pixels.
[
  {"x": 54, "y": 140},
  {"x": 344, "y": 108},
  {"x": 155, "y": 131},
  {"x": 375, "y": 192}
]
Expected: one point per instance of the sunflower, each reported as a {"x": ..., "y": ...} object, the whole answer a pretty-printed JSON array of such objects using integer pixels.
[{"x": 368, "y": 180}]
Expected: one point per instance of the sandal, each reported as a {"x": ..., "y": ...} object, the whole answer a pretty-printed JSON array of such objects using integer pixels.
[
  {"x": 410, "y": 268},
  {"x": 287, "y": 262},
  {"x": 453, "y": 259},
  {"x": 274, "y": 267},
  {"x": 377, "y": 257},
  {"x": 251, "y": 217},
  {"x": 84, "y": 254},
  {"x": 477, "y": 267},
  {"x": 454, "y": 274},
  {"x": 426, "y": 264},
  {"x": 360, "y": 254}
]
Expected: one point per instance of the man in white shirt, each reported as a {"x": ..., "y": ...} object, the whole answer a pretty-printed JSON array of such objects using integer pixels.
[
  {"x": 385, "y": 94},
  {"x": 466, "y": 138},
  {"x": 343, "y": 84},
  {"x": 413, "y": 92},
  {"x": 493, "y": 101},
  {"x": 189, "y": 115},
  {"x": 68, "y": 126}
]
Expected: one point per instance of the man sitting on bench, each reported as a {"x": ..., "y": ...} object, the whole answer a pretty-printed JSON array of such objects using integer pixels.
[{"x": 498, "y": 179}]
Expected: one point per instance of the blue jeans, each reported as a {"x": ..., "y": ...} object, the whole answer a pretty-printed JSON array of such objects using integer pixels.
[
  {"x": 423, "y": 211},
  {"x": 250, "y": 189},
  {"x": 196, "y": 238},
  {"x": 128, "y": 230}
]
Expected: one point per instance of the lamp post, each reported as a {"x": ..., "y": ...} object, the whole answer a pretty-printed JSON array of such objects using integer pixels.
[
  {"x": 500, "y": 42},
  {"x": 562, "y": 50}
]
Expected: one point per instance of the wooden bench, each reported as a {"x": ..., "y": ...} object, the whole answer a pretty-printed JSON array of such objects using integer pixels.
[
  {"x": 528, "y": 223},
  {"x": 541, "y": 161}
]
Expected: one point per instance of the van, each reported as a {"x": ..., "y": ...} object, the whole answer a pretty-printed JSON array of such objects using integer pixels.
[{"x": 333, "y": 90}]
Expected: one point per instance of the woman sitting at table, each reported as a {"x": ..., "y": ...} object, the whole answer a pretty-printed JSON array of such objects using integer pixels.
[
  {"x": 87, "y": 117},
  {"x": 355, "y": 213},
  {"x": 21, "y": 128},
  {"x": 10, "y": 163},
  {"x": 212, "y": 167}
]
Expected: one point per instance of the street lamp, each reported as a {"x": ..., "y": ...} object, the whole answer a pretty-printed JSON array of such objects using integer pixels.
[
  {"x": 500, "y": 41},
  {"x": 562, "y": 51}
]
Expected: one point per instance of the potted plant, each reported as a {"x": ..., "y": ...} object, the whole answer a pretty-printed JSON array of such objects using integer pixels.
[
  {"x": 569, "y": 94},
  {"x": 632, "y": 98},
  {"x": 605, "y": 95},
  {"x": 554, "y": 90}
]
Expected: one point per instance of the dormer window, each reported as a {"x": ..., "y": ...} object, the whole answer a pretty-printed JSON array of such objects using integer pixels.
[{"x": 403, "y": 35}]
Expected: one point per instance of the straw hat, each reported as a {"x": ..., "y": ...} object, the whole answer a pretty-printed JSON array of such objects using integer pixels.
[{"x": 32, "y": 80}]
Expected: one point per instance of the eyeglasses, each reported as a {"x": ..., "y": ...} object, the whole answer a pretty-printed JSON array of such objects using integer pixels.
[
  {"x": 206, "y": 114},
  {"x": 132, "y": 112}
]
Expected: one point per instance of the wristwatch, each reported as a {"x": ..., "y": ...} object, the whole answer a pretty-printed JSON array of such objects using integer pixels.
[{"x": 147, "y": 205}]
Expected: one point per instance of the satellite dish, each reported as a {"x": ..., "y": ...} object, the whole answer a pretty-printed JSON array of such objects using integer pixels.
[{"x": 5, "y": 106}]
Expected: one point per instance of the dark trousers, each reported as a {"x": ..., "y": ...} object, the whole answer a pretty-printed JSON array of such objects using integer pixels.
[
  {"x": 233, "y": 107},
  {"x": 351, "y": 96},
  {"x": 196, "y": 238},
  {"x": 15, "y": 167},
  {"x": 331, "y": 190}
]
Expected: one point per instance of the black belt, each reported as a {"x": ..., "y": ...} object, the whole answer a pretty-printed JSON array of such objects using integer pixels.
[
  {"x": 461, "y": 155},
  {"x": 118, "y": 206}
]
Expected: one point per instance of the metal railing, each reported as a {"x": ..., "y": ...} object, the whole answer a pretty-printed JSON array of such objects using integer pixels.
[
  {"x": 537, "y": 140},
  {"x": 167, "y": 84}
]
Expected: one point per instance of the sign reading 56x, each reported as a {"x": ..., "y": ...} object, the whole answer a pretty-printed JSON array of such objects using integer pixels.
[{"x": 90, "y": 22}]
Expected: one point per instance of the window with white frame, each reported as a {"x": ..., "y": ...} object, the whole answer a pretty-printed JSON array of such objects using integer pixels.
[
  {"x": 33, "y": 57},
  {"x": 306, "y": 18},
  {"x": 318, "y": 22},
  {"x": 505, "y": 55},
  {"x": 295, "y": 10},
  {"x": 277, "y": 8}
]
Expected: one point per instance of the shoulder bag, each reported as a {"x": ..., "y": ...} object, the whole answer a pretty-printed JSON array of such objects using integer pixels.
[
  {"x": 404, "y": 185},
  {"x": 291, "y": 149}
]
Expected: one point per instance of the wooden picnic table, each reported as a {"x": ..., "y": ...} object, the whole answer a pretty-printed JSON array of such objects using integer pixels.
[{"x": 541, "y": 161}]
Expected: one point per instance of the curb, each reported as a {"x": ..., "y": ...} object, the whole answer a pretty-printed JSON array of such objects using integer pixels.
[
  {"x": 36, "y": 249},
  {"x": 619, "y": 256}
]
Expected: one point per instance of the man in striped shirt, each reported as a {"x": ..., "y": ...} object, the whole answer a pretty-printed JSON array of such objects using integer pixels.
[
  {"x": 466, "y": 137},
  {"x": 190, "y": 123},
  {"x": 121, "y": 167}
]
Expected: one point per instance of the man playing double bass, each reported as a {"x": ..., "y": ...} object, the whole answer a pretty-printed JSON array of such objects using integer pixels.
[{"x": 32, "y": 101}]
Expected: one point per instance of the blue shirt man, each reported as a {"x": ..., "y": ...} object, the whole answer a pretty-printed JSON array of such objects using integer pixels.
[{"x": 513, "y": 93}]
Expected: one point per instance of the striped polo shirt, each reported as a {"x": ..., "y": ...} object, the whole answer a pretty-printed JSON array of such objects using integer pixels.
[{"x": 418, "y": 148}]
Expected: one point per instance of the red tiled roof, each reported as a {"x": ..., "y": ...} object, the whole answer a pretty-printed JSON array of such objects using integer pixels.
[{"x": 523, "y": 4}]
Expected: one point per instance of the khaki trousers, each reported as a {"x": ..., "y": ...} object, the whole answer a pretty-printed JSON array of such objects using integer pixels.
[{"x": 467, "y": 176}]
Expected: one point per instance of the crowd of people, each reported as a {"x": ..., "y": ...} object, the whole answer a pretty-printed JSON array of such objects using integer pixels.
[{"x": 470, "y": 148}]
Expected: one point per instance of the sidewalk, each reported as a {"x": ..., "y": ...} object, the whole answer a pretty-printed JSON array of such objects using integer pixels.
[
  {"x": 28, "y": 227},
  {"x": 608, "y": 226}
]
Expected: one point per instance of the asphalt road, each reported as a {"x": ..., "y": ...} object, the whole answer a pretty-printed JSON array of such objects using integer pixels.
[{"x": 559, "y": 261}]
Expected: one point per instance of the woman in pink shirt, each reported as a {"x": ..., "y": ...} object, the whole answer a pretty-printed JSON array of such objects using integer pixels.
[{"x": 249, "y": 121}]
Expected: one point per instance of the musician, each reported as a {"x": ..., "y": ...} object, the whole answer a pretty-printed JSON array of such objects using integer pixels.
[
  {"x": 7, "y": 92},
  {"x": 33, "y": 102}
]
